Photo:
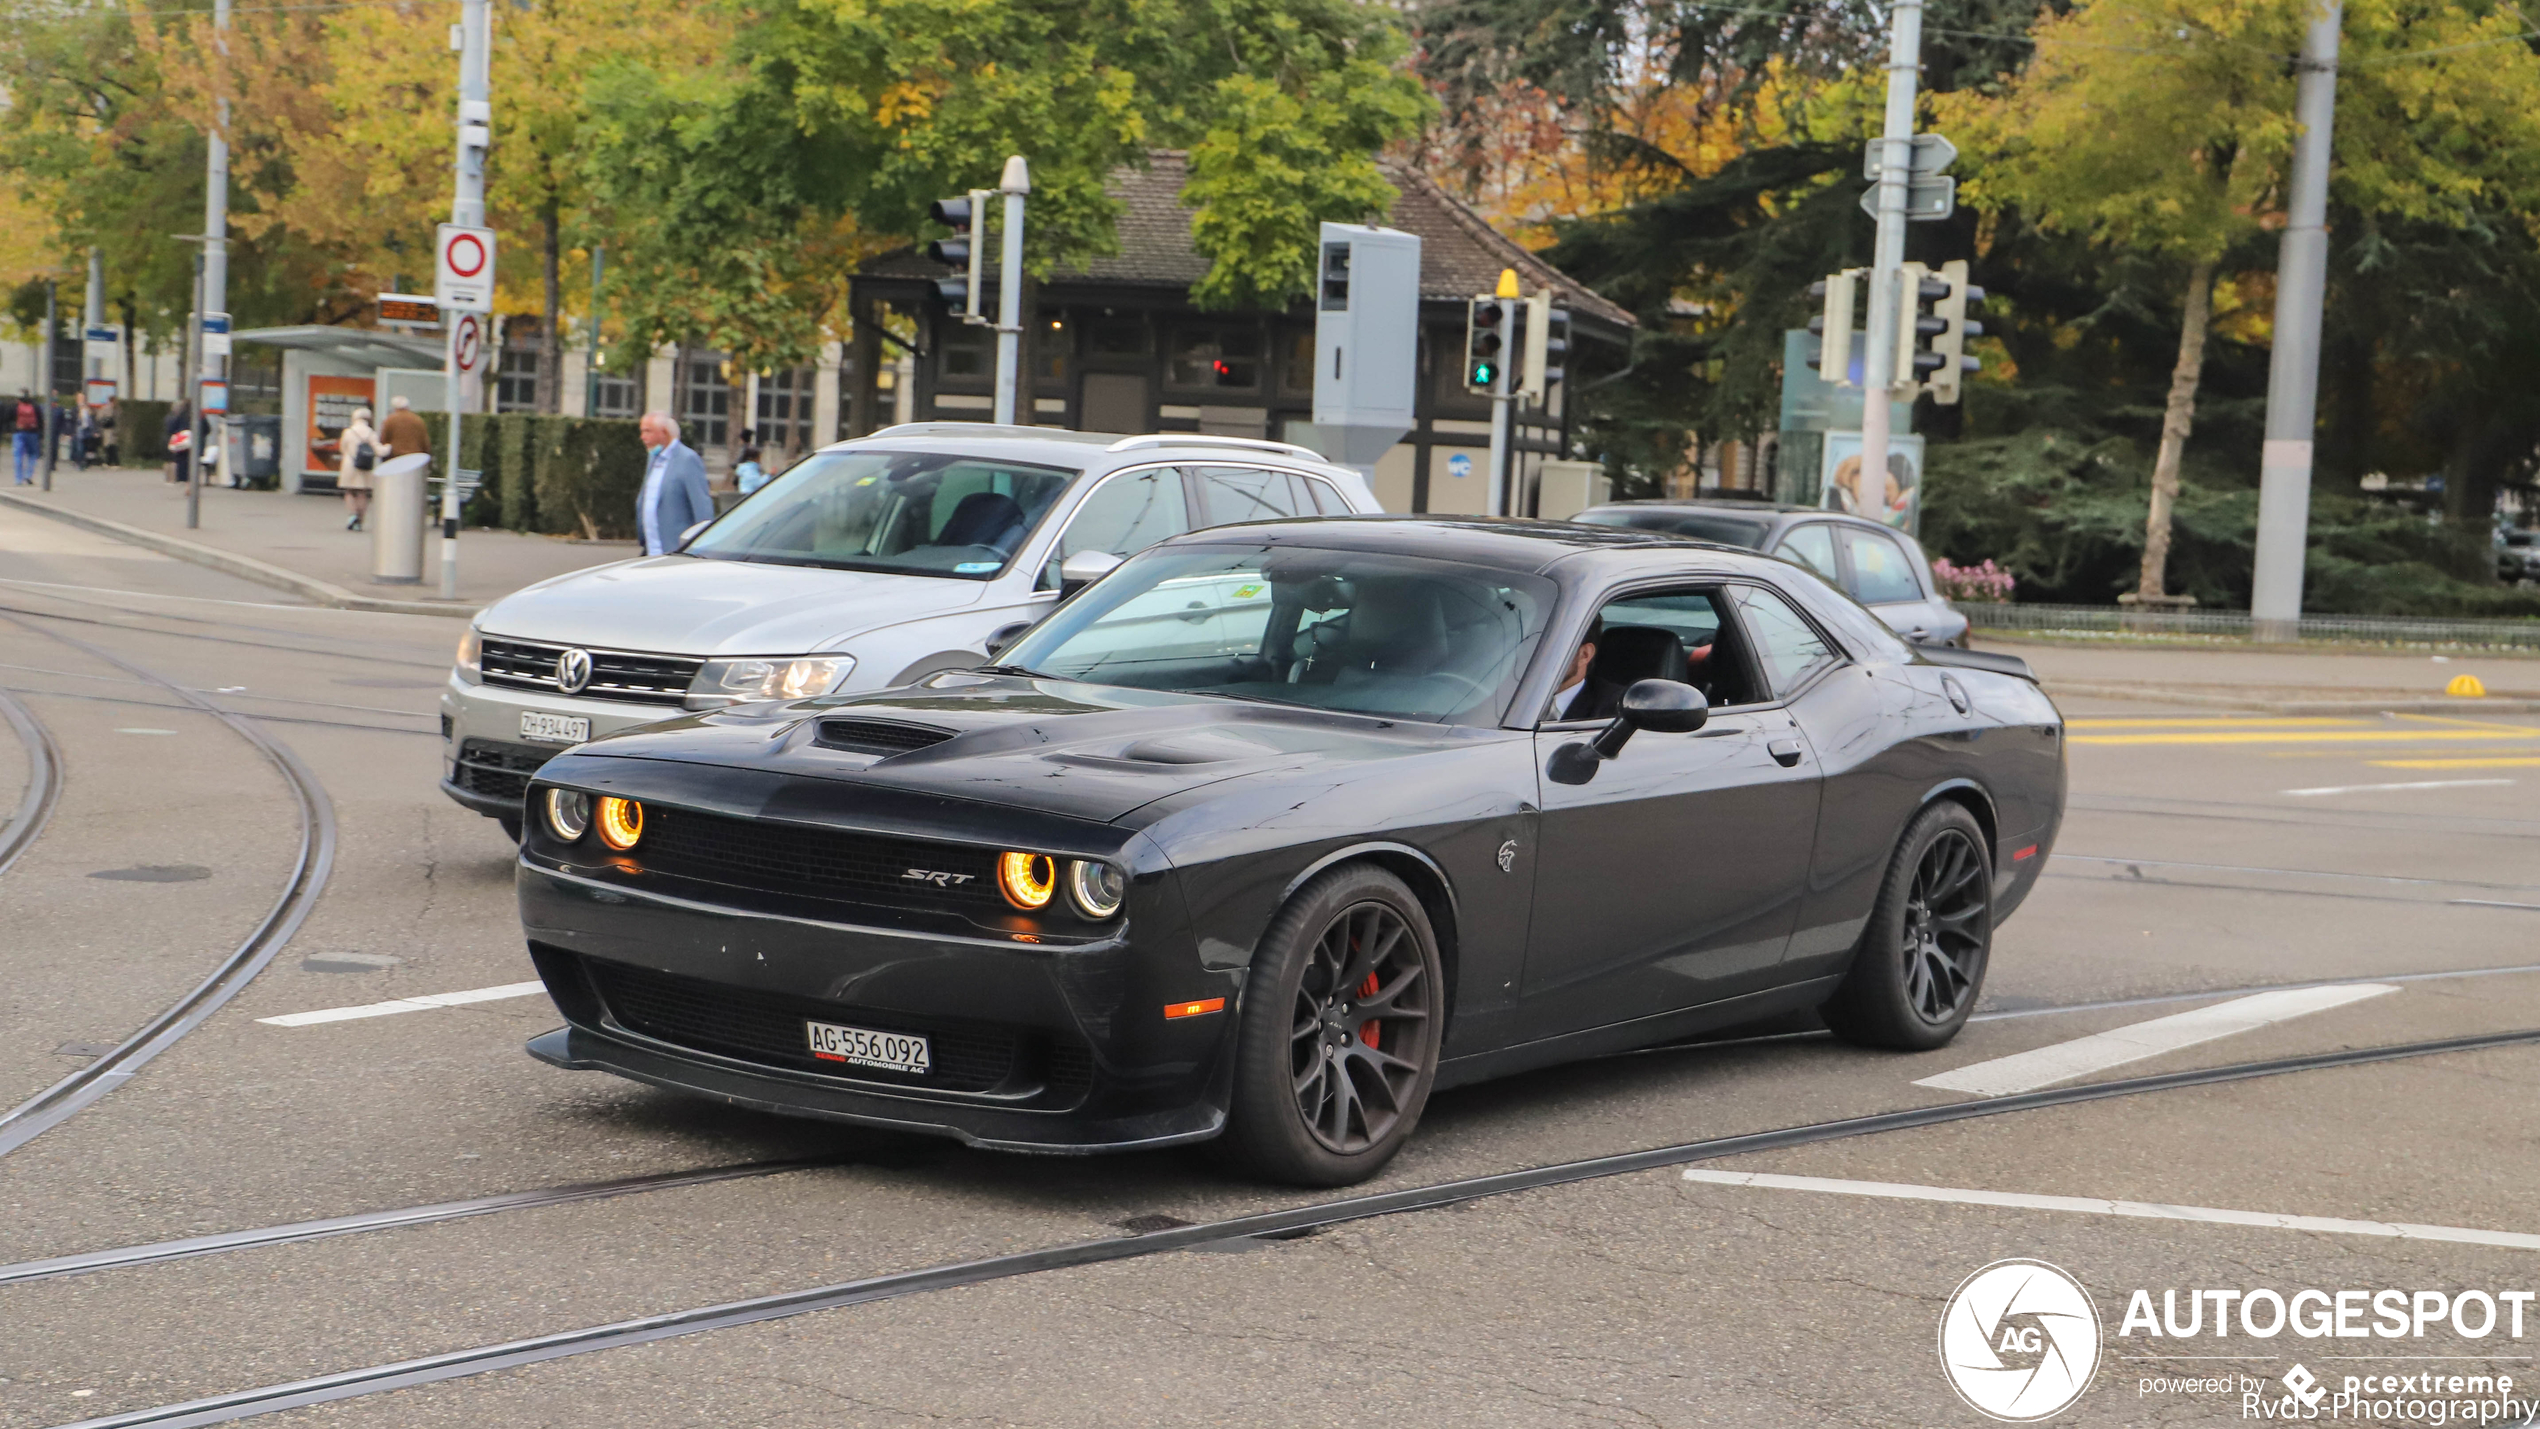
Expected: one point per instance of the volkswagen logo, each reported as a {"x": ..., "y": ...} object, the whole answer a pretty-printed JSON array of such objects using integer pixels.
[{"x": 573, "y": 671}]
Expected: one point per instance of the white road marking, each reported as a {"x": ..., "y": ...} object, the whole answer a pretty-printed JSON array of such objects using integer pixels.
[
  {"x": 2027, "y": 1071},
  {"x": 145, "y": 731},
  {"x": 2092, "y": 1205},
  {"x": 424, "y": 1003},
  {"x": 2417, "y": 784}
]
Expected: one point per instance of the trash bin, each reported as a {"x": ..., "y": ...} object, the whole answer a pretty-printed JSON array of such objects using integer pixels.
[
  {"x": 396, "y": 519},
  {"x": 255, "y": 444}
]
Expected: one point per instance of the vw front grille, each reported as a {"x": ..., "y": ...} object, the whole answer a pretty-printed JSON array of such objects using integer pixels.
[{"x": 628, "y": 675}]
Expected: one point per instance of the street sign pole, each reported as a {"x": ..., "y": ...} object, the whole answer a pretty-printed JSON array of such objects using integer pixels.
[
  {"x": 1015, "y": 185},
  {"x": 2293, "y": 369},
  {"x": 467, "y": 210},
  {"x": 1904, "y": 55},
  {"x": 44, "y": 389}
]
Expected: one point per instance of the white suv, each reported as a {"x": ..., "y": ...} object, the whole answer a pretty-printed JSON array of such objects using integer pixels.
[{"x": 871, "y": 564}]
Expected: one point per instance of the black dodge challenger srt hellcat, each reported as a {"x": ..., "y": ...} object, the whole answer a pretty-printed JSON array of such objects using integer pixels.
[{"x": 1276, "y": 829}]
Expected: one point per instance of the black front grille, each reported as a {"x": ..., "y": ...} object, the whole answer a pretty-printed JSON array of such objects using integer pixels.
[
  {"x": 497, "y": 770},
  {"x": 627, "y": 675},
  {"x": 878, "y": 736},
  {"x": 767, "y": 1028},
  {"x": 817, "y": 863}
]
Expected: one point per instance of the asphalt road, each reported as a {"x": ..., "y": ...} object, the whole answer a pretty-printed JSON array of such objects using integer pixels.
[{"x": 2205, "y": 858}]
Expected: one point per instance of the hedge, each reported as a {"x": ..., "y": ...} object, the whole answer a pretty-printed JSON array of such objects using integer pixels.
[
  {"x": 560, "y": 476},
  {"x": 141, "y": 431}
]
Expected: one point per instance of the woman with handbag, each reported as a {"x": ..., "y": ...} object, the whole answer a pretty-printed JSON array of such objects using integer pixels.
[{"x": 360, "y": 447}]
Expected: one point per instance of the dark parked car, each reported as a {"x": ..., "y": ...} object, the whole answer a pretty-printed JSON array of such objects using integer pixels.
[
  {"x": 1278, "y": 828},
  {"x": 1879, "y": 566}
]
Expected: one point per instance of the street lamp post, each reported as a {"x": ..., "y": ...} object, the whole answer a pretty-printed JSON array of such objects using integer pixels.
[{"x": 467, "y": 209}]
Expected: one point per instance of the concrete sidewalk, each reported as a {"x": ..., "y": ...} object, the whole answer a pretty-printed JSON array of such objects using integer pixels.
[
  {"x": 298, "y": 543},
  {"x": 2278, "y": 681}
]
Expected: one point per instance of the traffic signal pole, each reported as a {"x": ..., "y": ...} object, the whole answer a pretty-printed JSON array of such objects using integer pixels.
[
  {"x": 467, "y": 209},
  {"x": 1878, "y": 377},
  {"x": 1015, "y": 185},
  {"x": 2293, "y": 369}
]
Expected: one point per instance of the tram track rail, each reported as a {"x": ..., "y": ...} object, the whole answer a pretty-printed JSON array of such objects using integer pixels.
[
  {"x": 43, "y": 780},
  {"x": 1264, "y": 1226},
  {"x": 314, "y": 861}
]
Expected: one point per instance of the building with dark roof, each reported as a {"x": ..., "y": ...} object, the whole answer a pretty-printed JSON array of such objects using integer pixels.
[{"x": 1116, "y": 345}]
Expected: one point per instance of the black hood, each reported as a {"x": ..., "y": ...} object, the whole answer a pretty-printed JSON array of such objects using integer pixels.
[{"x": 1091, "y": 752}]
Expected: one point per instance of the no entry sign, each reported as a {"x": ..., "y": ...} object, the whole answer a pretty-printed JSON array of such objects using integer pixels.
[{"x": 463, "y": 276}]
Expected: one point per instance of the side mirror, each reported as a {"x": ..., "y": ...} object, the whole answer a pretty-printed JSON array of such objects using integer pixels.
[
  {"x": 1083, "y": 569},
  {"x": 692, "y": 533},
  {"x": 1663, "y": 706}
]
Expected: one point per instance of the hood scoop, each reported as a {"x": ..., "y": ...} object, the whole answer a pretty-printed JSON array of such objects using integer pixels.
[
  {"x": 1197, "y": 747},
  {"x": 884, "y": 737}
]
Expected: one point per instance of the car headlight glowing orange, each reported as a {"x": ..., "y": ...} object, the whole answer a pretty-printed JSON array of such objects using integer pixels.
[
  {"x": 621, "y": 822},
  {"x": 1027, "y": 879}
]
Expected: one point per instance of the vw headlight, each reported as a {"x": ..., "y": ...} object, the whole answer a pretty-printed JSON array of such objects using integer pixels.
[
  {"x": 1095, "y": 888},
  {"x": 471, "y": 656},
  {"x": 732, "y": 682}
]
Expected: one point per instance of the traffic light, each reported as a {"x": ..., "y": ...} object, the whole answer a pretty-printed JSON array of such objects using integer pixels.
[
  {"x": 1833, "y": 325},
  {"x": 1546, "y": 332},
  {"x": 1485, "y": 344},
  {"x": 1918, "y": 325},
  {"x": 1947, "y": 380},
  {"x": 967, "y": 217}
]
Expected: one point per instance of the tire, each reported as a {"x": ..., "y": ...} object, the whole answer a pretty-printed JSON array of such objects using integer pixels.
[
  {"x": 1318, "y": 1100},
  {"x": 1921, "y": 962},
  {"x": 511, "y": 826}
]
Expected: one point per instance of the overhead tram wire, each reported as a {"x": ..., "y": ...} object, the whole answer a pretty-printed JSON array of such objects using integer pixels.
[
  {"x": 43, "y": 780},
  {"x": 65, "y": 1098},
  {"x": 1272, "y": 1225}
]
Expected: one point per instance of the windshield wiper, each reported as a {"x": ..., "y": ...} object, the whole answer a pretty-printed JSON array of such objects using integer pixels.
[{"x": 1026, "y": 673}]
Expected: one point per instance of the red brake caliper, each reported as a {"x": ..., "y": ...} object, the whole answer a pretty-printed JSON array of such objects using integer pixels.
[{"x": 1367, "y": 1031}]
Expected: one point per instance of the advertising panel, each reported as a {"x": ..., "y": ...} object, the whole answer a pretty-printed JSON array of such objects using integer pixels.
[{"x": 331, "y": 403}]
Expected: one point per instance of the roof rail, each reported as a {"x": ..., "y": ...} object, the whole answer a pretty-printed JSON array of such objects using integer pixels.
[
  {"x": 978, "y": 429},
  {"x": 1198, "y": 439}
]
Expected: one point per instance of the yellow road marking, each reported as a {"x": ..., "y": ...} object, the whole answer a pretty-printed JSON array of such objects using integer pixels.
[
  {"x": 2454, "y": 763},
  {"x": 2209, "y": 722},
  {"x": 2465, "y": 723},
  {"x": 2322, "y": 736}
]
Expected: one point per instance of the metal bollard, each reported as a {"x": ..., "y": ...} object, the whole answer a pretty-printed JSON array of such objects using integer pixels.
[{"x": 396, "y": 519}]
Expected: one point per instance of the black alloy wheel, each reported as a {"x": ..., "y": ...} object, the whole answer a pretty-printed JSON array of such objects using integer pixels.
[
  {"x": 1921, "y": 961},
  {"x": 1339, "y": 1032}
]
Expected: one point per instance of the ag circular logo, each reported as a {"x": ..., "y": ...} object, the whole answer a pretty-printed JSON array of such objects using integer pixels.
[
  {"x": 2019, "y": 1340},
  {"x": 573, "y": 671}
]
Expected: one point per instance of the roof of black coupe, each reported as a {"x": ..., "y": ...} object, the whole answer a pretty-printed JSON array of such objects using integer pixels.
[{"x": 1510, "y": 543}]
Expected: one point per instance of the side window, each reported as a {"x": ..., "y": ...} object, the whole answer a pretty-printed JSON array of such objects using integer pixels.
[
  {"x": 1683, "y": 635},
  {"x": 1811, "y": 545},
  {"x": 1228, "y": 494},
  {"x": 1125, "y": 515},
  {"x": 1881, "y": 575},
  {"x": 1327, "y": 498},
  {"x": 1786, "y": 646}
]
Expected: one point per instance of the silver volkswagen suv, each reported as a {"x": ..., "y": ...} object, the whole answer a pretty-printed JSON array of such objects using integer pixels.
[{"x": 870, "y": 564}]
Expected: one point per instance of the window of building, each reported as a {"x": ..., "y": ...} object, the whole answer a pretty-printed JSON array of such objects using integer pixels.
[
  {"x": 1052, "y": 346},
  {"x": 1117, "y": 337},
  {"x": 962, "y": 349},
  {"x": 616, "y": 396},
  {"x": 783, "y": 420},
  {"x": 705, "y": 402},
  {"x": 1217, "y": 358},
  {"x": 1296, "y": 363},
  {"x": 516, "y": 380}
]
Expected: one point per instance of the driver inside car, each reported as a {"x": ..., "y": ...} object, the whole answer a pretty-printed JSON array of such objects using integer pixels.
[{"x": 1591, "y": 691}]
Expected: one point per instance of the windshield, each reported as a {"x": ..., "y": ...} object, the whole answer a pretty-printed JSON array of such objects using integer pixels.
[
  {"x": 1399, "y": 636},
  {"x": 917, "y": 513},
  {"x": 1718, "y": 526}
]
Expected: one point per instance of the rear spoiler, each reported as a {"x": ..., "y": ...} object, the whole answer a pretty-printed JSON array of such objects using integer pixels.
[{"x": 1976, "y": 660}]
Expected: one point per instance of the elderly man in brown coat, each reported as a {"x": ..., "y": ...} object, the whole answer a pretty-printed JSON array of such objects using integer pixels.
[{"x": 404, "y": 433}]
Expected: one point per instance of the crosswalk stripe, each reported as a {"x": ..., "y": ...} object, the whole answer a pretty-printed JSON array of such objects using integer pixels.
[
  {"x": 2094, "y": 1206},
  {"x": 2064, "y": 1061},
  {"x": 422, "y": 1003}
]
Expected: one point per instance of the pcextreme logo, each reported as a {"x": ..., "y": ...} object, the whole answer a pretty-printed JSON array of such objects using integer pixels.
[{"x": 2019, "y": 1341}]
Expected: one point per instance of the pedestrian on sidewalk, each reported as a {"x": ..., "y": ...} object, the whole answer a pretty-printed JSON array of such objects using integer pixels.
[
  {"x": 180, "y": 436},
  {"x": 674, "y": 496},
  {"x": 109, "y": 433},
  {"x": 750, "y": 475},
  {"x": 359, "y": 445},
  {"x": 26, "y": 437},
  {"x": 404, "y": 433}
]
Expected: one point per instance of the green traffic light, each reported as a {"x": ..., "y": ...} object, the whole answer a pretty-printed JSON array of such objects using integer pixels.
[{"x": 1484, "y": 374}]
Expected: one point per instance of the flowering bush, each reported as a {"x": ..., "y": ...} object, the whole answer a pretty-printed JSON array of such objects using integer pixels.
[{"x": 1986, "y": 583}]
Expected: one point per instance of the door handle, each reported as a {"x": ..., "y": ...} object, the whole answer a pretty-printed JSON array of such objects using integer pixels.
[{"x": 1784, "y": 751}]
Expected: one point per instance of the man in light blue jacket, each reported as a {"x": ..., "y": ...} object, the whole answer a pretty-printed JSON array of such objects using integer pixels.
[{"x": 674, "y": 495}]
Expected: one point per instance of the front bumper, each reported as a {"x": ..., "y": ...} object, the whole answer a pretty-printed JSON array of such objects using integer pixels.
[
  {"x": 1039, "y": 1047},
  {"x": 486, "y": 765}
]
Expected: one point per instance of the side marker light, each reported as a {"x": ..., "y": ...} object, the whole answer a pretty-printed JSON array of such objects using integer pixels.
[{"x": 1201, "y": 1008}]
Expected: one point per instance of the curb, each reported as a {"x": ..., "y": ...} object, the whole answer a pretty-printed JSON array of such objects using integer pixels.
[
  {"x": 2154, "y": 694},
  {"x": 247, "y": 568}
]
